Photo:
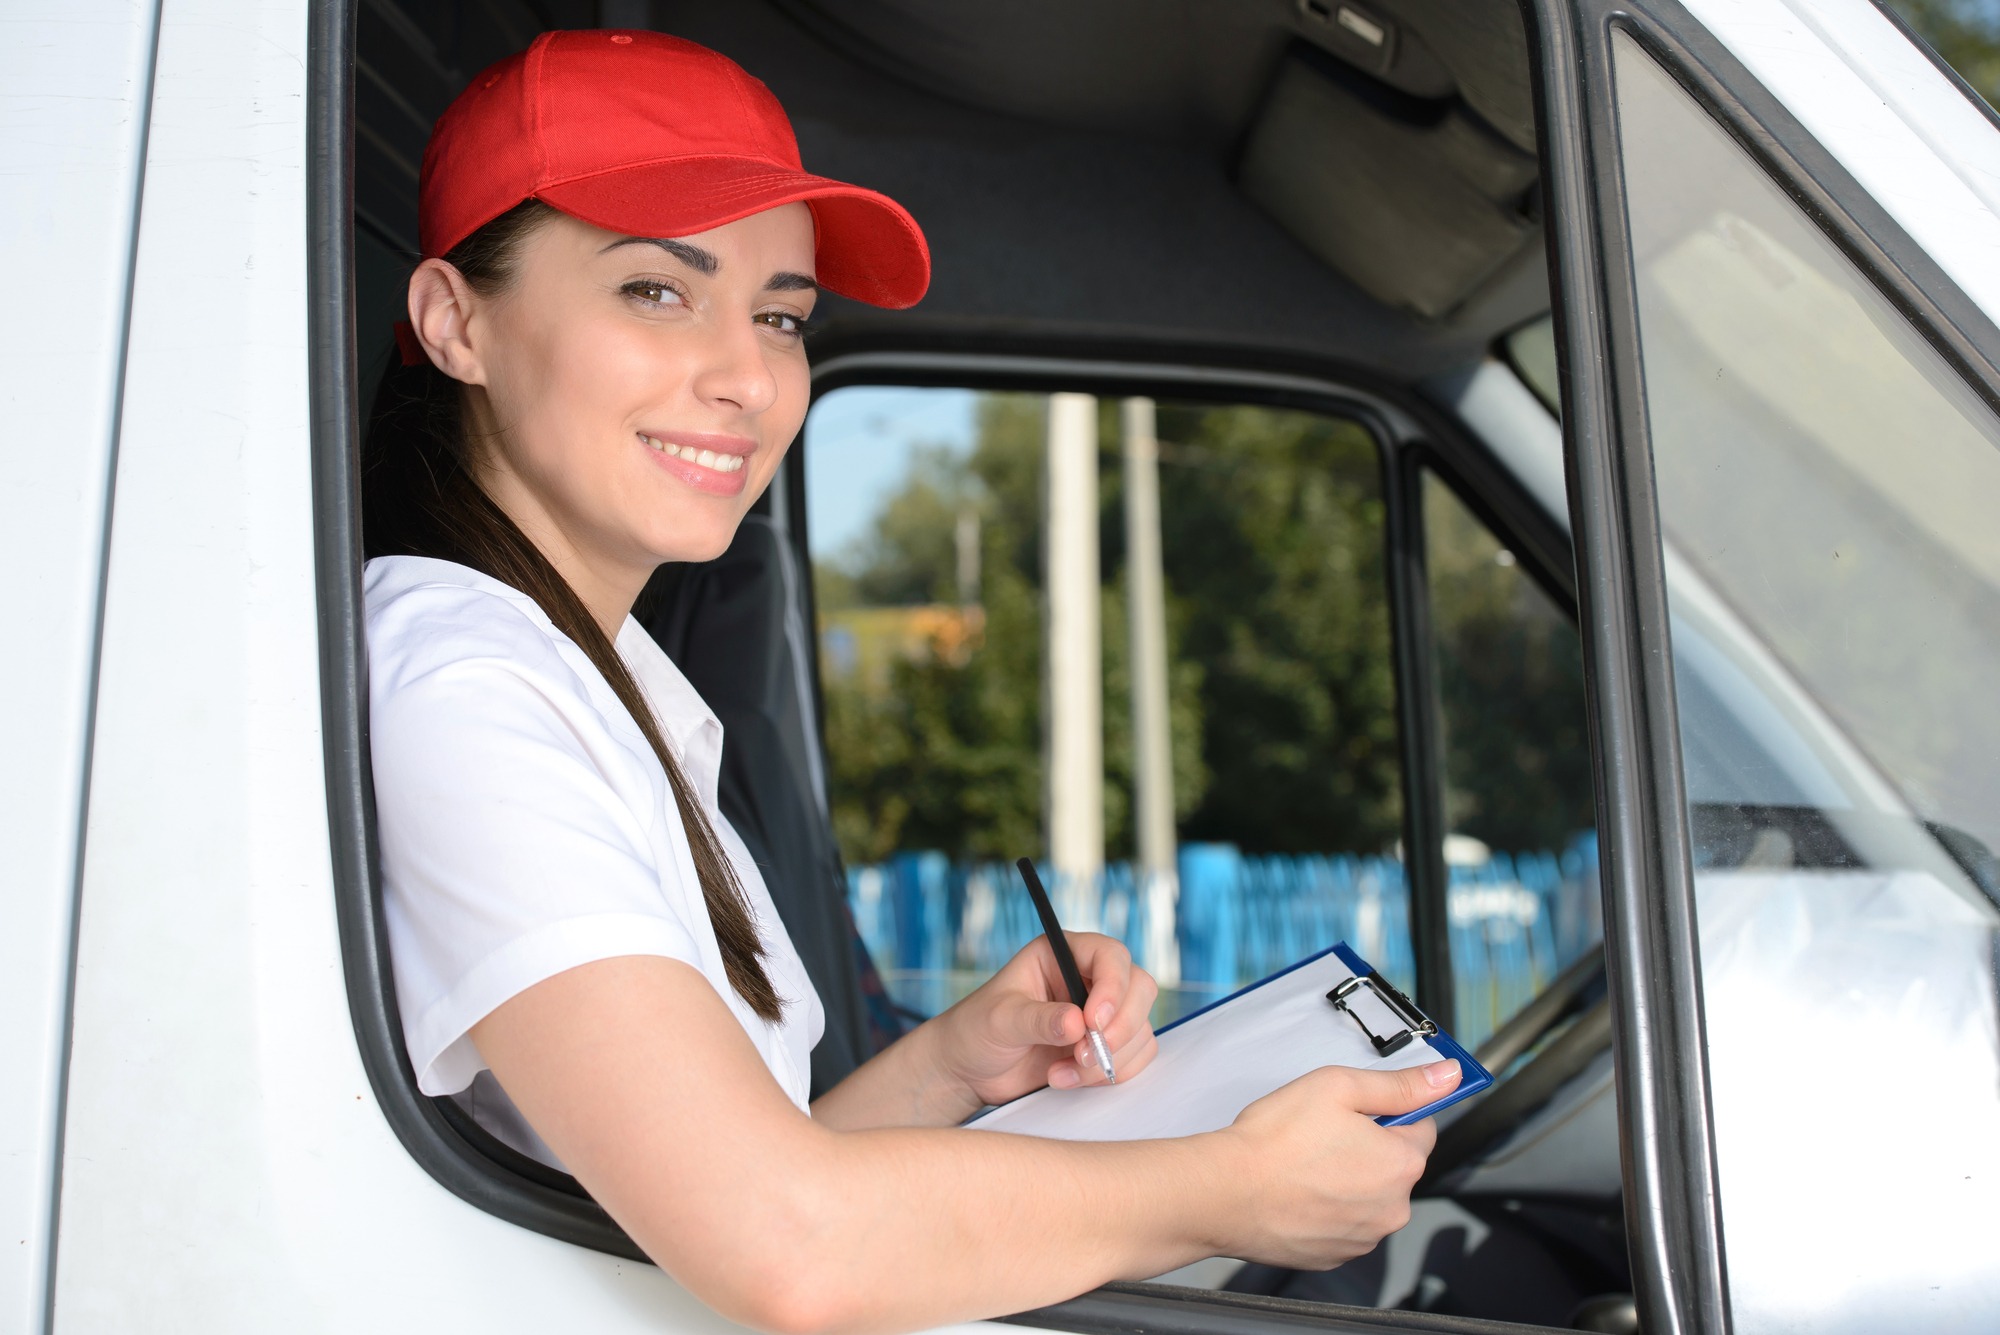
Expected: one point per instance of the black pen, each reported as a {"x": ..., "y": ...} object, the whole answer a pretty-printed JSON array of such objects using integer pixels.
[{"x": 1067, "y": 963}]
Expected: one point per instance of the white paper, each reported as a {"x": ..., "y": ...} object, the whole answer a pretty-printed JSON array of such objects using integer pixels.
[{"x": 1212, "y": 1067}]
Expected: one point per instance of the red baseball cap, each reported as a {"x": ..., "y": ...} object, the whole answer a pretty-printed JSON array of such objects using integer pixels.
[{"x": 648, "y": 135}]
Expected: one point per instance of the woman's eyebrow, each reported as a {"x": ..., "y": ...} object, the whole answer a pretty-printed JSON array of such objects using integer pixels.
[
  {"x": 705, "y": 263},
  {"x": 701, "y": 261}
]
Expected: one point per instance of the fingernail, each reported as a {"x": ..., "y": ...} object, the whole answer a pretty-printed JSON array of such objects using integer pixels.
[
  {"x": 1440, "y": 1074},
  {"x": 1065, "y": 1078},
  {"x": 1103, "y": 1016},
  {"x": 1088, "y": 1055}
]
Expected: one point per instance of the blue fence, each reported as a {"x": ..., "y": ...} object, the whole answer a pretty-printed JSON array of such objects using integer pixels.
[{"x": 936, "y": 928}]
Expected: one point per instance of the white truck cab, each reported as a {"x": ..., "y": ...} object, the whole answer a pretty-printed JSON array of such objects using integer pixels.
[{"x": 1753, "y": 464}]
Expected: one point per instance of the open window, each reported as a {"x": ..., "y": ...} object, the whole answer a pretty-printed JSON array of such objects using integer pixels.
[{"x": 1274, "y": 234}]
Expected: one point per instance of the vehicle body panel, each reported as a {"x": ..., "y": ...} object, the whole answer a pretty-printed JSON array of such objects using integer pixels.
[{"x": 73, "y": 94}]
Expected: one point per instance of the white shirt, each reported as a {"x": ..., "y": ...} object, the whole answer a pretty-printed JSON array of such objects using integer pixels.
[{"x": 526, "y": 827}]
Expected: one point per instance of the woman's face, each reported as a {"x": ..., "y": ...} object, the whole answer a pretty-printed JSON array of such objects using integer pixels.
[{"x": 636, "y": 395}]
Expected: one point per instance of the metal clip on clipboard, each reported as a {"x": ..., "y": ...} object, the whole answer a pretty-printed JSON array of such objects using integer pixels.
[{"x": 1411, "y": 1022}]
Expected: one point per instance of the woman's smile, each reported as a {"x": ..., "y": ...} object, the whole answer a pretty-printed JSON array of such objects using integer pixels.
[{"x": 708, "y": 463}]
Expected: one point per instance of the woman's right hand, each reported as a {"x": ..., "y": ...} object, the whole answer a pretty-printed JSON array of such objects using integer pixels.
[{"x": 1323, "y": 1182}]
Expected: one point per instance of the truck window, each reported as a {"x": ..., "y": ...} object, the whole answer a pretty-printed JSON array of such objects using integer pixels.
[
  {"x": 1171, "y": 619},
  {"x": 1826, "y": 486},
  {"x": 1224, "y": 784}
]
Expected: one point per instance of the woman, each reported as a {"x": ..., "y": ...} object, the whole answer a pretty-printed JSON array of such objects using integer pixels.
[{"x": 605, "y": 372}]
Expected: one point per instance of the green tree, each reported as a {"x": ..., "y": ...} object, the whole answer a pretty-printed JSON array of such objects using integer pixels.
[
  {"x": 946, "y": 754},
  {"x": 1272, "y": 524},
  {"x": 1281, "y": 699}
]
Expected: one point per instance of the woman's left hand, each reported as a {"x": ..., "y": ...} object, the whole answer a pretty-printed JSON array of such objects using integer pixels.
[{"x": 1019, "y": 1030}]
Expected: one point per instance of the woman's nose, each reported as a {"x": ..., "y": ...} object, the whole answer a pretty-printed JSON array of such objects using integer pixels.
[{"x": 737, "y": 371}]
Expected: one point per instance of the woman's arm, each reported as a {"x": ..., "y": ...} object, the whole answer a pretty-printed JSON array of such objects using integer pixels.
[{"x": 638, "y": 1076}]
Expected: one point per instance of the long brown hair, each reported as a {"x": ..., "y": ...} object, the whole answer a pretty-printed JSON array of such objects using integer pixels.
[{"x": 421, "y": 497}]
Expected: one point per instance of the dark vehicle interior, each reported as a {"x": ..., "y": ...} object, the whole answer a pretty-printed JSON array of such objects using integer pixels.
[{"x": 1115, "y": 193}]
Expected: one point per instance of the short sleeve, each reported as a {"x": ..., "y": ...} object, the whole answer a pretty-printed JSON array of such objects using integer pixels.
[{"x": 516, "y": 823}]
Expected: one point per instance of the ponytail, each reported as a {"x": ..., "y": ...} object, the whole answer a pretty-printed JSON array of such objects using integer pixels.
[{"x": 421, "y": 497}]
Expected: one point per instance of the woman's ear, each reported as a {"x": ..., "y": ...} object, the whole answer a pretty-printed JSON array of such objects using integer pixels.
[{"x": 441, "y": 307}]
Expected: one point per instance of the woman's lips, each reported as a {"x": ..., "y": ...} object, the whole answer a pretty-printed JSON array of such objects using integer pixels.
[{"x": 714, "y": 464}]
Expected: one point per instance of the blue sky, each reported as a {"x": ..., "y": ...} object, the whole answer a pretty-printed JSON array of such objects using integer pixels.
[{"x": 858, "y": 446}]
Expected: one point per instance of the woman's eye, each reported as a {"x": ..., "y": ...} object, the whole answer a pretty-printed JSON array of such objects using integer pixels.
[
  {"x": 653, "y": 292},
  {"x": 783, "y": 321}
]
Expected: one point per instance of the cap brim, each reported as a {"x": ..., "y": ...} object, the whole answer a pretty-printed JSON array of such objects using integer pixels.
[{"x": 869, "y": 247}]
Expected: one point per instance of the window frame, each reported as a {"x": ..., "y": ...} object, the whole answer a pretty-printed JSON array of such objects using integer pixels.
[
  {"x": 456, "y": 1152},
  {"x": 1672, "y": 1197}
]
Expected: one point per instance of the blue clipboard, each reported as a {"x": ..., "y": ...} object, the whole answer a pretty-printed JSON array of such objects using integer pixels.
[
  {"x": 1472, "y": 1078},
  {"x": 1331, "y": 1008}
]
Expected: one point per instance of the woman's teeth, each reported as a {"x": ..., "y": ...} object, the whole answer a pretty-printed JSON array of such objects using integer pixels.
[{"x": 721, "y": 463}]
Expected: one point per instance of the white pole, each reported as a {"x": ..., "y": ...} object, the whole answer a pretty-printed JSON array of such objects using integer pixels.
[
  {"x": 1075, "y": 682},
  {"x": 1152, "y": 735},
  {"x": 965, "y": 537}
]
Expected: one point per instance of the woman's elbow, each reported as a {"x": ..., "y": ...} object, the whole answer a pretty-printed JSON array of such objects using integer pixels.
[
  {"x": 801, "y": 1298},
  {"x": 779, "y": 1269},
  {"x": 808, "y": 1309}
]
